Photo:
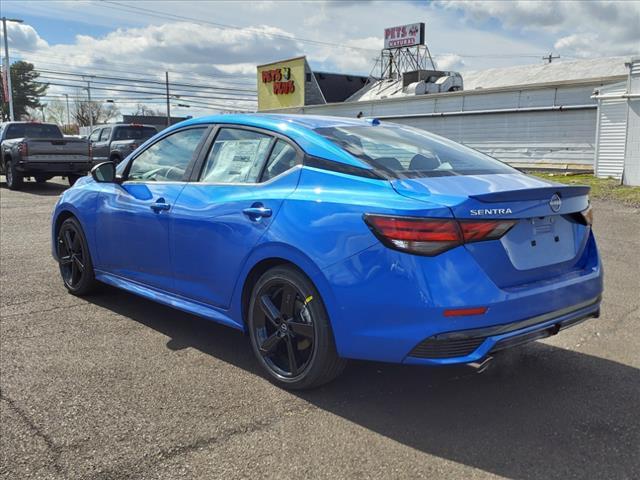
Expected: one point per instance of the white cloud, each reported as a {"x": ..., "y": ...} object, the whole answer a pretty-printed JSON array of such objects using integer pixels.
[
  {"x": 23, "y": 37},
  {"x": 581, "y": 28}
]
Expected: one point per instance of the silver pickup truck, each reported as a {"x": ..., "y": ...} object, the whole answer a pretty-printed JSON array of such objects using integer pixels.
[{"x": 41, "y": 151}]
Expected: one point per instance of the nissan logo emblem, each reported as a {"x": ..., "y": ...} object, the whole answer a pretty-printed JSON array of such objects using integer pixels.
[{"x": 555, "y": 203}]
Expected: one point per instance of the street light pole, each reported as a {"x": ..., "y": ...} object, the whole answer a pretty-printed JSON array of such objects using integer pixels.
[{"x": 7, "y": 68}]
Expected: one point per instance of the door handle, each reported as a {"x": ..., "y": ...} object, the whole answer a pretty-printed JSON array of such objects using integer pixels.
[
  {"x": 257, "y": 211},
  {"x": 160, "y": 205}
]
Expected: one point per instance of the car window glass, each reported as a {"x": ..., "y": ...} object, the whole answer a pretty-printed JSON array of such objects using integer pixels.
[
  {"x": 410, "y": 152},
  {"x": 32, "y": 130},
  {"x": 237, "y": 156},
  {"x": 167, "y": 159},
  {"x": 95, "y": 135},
  {"x": 282, "y": 158},
  {"x": 104, "y": 136},
  {"x": 134, "y": 132}
]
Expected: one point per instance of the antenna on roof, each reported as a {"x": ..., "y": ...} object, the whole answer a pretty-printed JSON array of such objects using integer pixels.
[{"x": 550, "y": 58}]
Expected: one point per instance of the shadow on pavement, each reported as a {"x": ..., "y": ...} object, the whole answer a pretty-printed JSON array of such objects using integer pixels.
[
  {"x": 44, "y": 189},
  {"x": 538, "y": 412}
]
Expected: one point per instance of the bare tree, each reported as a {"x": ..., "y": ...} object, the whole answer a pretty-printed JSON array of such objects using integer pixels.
[
  {"x": 142, "y": 109},
  {"x": 100, "y": 112},
  {"x": 56, "y": 112}
]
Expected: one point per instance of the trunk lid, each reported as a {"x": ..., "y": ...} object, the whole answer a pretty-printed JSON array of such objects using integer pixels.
[{"x": 548, "y": 238}]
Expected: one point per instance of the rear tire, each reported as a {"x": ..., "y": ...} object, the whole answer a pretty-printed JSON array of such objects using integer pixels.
[
  {"x": 294, "y": 342},
  {"x": 13, "y": 177},
  {"x": 74, "y": 259},
  {"x": 73, "y": 179}
]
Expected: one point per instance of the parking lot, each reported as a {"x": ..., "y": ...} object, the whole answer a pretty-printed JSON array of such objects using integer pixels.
[{"x": 114, "y": 386}]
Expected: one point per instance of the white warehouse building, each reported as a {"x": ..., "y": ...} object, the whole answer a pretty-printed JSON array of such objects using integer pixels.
[{"x": 532, "y": 116}]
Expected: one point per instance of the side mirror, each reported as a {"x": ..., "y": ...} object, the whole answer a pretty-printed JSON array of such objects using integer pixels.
[{"x": 104, "y": 172}]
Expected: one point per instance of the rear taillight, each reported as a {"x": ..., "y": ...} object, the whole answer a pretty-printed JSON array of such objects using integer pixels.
[
  {"x": 23, "y": 149},
  {"x": 90, "y": 152},
  {"x": 134, "y": 146},
  {"x": 431, "y": 236}
]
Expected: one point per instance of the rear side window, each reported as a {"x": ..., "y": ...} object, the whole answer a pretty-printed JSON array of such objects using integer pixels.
[
  {"x": 167, "y": 159},
  {"x": 236, "y": 156},
  {"x": 410, "y": 152},
  {"x": 95, "y": 135},
  {"x": 282, "y": 158},
  {"x": 33, "y": 130}
]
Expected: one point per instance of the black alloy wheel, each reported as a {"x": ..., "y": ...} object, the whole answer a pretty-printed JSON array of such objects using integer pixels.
[
  {"x": 74, "y": 260},
  {"x": 290, "y": 332}
]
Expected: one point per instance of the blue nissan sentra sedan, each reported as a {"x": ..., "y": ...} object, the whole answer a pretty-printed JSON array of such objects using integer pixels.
[{"x": 326, "y": 239}]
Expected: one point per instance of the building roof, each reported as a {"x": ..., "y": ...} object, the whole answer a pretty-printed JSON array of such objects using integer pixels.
[
  {"x": 555, "y": 72},
  {"x": 604, "y": 70}
]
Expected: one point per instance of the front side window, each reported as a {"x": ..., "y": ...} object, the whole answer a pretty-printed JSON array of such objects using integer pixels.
[
  {"x": 237, "y": 156},
  {"x": 104, "y": 136},
  {"x": 167, "y": 159},
  {"x": 410, "y": 152},
  {"x": 95, "y": 135}
]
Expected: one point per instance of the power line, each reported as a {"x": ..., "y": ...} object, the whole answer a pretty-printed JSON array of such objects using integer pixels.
[
  {"x": 221, "y": 78},
  {"x": 140, "y": 80},
  {"x": 178, "y": 92}
]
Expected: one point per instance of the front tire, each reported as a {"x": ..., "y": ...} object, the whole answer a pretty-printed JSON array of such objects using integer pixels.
[
  {"x": 290, "y": 331},
  {"x": 74, "y": 260},
  {"x": 13, "y": 177},
  {"x": 73, "y": 179}
]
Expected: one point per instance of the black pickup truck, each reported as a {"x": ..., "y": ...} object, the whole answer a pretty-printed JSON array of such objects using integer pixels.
[
  {"x": 115, "y": 142},
  {"x": 40, "y": 151}
]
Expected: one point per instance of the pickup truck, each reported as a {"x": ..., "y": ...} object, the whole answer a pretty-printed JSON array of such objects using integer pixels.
[
  {"x": 40, "y": 151},
  {"x": 115, "y": 142}
]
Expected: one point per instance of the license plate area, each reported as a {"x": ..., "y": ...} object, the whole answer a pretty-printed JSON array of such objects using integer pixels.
[{"x": 541, "y": 241}]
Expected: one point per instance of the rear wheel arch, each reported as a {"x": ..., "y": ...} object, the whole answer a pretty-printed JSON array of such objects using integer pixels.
[{"x": 252, "y": 278}]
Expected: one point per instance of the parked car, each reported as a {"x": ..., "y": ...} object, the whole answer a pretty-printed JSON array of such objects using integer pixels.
[
  {"x": 115, "y": 142},
  {"x": 328, "y": 239},
  {"x": 41, "y": 151}
]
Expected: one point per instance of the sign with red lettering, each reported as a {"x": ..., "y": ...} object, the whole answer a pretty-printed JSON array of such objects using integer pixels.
[
  {"x": 404, "y": 36},
  {"x": 281, "y": 80}
]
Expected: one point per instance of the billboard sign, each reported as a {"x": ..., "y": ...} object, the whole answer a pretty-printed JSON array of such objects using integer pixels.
[
  {"x": 281, "y": 84},
  {"x": 404, "y": 36}
]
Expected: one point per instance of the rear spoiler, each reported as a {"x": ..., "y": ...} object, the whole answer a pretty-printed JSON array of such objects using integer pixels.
[{"x": 541, "y": 193}]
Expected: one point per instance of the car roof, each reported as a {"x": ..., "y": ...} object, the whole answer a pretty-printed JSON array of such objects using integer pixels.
[{"x": 299, "y": 128}]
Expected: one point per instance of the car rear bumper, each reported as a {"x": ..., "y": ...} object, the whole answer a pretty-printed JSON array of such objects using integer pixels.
[
  {"x": 383, "y": 304},
  {"x": 474, "y": 346},
  {"x": 54, "y": 167}
]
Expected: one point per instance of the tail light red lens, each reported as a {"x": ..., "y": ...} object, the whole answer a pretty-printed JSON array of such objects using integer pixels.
[
  {"x": 23, "y": 149},
  {"x": 431, "y": 236}
]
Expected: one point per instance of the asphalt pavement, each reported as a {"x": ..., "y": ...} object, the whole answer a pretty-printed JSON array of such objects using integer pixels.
[{"x": 113, "y": 386}]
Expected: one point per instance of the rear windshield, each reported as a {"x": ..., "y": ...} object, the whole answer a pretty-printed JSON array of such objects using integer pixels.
[
  {"x": 134, "y": 133},
  {"x": 32, "y": 130},
  {"x": 410, "y": 152}
]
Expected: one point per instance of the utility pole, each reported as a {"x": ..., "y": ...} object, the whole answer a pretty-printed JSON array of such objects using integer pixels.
[
  {"x": 166, "y": 76},
  {"x": 66, "y": 95},
  {"x": 90, "y": 106},
  {"x": 550, "y": 58},
  {"x": 7, "y": 68}
]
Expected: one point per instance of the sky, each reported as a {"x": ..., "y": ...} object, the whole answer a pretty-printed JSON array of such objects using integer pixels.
[{"x": 219, "y": 43}]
